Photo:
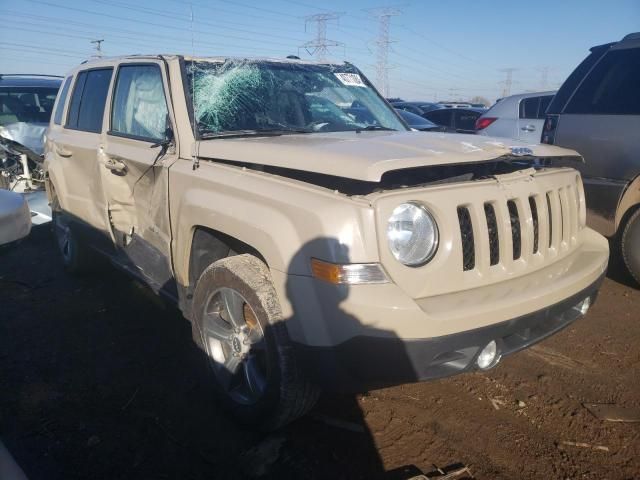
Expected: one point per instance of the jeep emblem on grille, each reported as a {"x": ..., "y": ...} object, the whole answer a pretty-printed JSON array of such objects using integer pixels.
[{"x": 521, "y": 151}]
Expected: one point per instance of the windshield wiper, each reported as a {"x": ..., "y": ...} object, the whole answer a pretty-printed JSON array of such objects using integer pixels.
[
  {"x": 370, "y": 128},
  {"x": 262, "y": 132}
]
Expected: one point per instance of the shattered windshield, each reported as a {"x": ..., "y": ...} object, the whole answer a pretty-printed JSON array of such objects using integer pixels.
[{"x": 287, "y": 97}]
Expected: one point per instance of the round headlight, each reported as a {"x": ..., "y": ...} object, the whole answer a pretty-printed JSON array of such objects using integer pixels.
[{"x": 412, "y": 234}]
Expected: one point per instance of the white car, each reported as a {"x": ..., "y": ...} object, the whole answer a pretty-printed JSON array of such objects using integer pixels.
[
  {"x": 518, "y": 116},
  {"x": 15, "y": 217}
]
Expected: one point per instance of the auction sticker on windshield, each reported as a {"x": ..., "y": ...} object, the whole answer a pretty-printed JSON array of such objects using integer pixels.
[{"x": 350, "y": 79}]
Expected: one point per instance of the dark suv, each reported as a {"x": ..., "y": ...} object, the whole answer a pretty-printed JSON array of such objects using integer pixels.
[{"x": 597, "y": 113}]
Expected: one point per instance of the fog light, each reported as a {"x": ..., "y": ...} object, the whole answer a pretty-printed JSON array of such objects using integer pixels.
[
  {"x": 489, "y": 356},
  {"x": 583, "y": 306}
]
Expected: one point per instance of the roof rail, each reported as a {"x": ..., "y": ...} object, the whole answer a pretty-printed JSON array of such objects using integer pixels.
[
  {"x": 28, "y": 75},
  {"x": 632, "y": 36}
]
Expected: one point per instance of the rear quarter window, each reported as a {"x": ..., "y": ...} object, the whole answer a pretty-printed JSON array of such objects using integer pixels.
[
  {"x": 569, "y": 86},
  {"x": 612, "y": 87},
  {"x": 62, "y": 99}
]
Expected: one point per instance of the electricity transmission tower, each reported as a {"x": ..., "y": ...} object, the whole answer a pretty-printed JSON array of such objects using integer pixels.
[
  {"x": 544, "y": 77},
  {"x": 98, "y": 46},
  {"x": 383, "y": 41},
  {"x": 508, "y": 82},
  {"x": 320, "y": 46}
]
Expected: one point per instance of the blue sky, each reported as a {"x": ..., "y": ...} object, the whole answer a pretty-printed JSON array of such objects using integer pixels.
[{"x": 440, "y": 50}]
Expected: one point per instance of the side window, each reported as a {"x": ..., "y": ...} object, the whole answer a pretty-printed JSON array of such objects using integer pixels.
[
  {"x": 88, "y": 100},
  {"x": 544, "y": 104},
  {"x": 62, "y": 98},
  {"x": 74, "y": 104},
  {"x": 139, "y": 107},
  {"x": 529, "y": 107},
  {"x": 611, "y": 88}
]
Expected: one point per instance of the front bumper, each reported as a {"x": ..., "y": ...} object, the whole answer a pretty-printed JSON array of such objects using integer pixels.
[{"x": 367, "y": 362}]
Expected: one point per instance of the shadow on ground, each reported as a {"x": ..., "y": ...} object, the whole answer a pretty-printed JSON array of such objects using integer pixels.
[{"x": 100, "y": 379}]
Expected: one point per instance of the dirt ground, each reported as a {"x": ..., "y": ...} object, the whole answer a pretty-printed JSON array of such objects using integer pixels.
[{"x": 100, "y": 379}]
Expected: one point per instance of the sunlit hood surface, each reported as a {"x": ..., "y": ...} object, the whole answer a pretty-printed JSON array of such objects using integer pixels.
[{"x": 367, "y": 155}]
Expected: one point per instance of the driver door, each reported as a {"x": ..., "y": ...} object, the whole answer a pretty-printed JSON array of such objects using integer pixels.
[{"x": 137, "y": 151}]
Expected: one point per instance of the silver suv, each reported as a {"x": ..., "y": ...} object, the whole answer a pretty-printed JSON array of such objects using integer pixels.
[{"x": 597, "y": 112}]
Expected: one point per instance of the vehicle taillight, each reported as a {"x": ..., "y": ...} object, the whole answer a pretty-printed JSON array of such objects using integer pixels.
[
  {"x": 549, "y": 130},
  {"x": 484, "y": 122}
]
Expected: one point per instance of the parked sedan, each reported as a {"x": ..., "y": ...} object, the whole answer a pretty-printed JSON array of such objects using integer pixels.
[
  {"x": 518, "y": 116},
  {"x": 417, "y": 108},
  {"x": 418, "y": 123},
  {"x": 458, "y": 120},
  {"x": 15, "y": 217}
]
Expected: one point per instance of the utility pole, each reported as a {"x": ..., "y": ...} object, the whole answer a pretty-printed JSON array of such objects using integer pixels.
[
  {"x": 320, "y": 46},
  {"x": 383, "y": 41},
  {"x": 98, "y": 47},
  {"x": 508, "y": 82}
]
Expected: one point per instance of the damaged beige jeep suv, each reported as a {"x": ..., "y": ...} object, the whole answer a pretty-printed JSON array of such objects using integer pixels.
[{"x": 310, "y": 237}]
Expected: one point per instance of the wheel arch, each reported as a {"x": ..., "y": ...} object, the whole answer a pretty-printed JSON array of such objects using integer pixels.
[{"x": 209, "y": 245}]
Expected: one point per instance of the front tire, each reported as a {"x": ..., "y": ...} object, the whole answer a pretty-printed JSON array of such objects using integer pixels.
[
  {"x": 238, "y": 324},
  {"x": 630, "y": 245}
]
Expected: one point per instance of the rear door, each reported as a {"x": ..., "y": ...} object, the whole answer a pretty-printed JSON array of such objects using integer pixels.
[
  {"x": 75, "y": 141},
  {"x": 531, "y": 117},
  {"x": 601, "y": 121},
  {"x": 134, "y": 168}
]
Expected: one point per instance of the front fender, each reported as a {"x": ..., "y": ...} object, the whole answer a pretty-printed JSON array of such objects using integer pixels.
[{"x": 276, "y": 216}]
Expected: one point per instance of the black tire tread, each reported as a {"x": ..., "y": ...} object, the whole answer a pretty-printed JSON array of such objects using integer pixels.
[
  {"x": 627, "y": 249},
  {"x": 297, "y": 394}
]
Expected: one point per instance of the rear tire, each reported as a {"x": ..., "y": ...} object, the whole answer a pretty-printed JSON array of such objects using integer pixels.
[
  {"x": 630, "y": 245},
  {"x": 238, "y": 323},
  {"x": 77, "y": 256}
]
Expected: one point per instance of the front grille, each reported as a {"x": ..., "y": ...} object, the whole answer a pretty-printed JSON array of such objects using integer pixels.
[
  {"x": 515, "y": 229},
  {"x": 531, "y": 228},
  {"x": 466, "y": 233},
  {"x": 492, "y": 228},
  {"x": 536, "y": 226}
]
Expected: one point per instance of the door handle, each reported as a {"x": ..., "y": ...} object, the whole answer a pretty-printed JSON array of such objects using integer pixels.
[
  {"x": 115, "y": 166},
  {"x": 63, "y": 152},
  {"x": 529, "y": 128}
]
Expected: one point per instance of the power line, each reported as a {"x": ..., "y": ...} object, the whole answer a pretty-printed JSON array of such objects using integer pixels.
[
  {"x": 383, "y": 41},
  {"x": 217, "y": 25},
  {"x": 134, "y": 39},
  {"x": 320, "y": 46},
  {"x": 160, "y": 25}
]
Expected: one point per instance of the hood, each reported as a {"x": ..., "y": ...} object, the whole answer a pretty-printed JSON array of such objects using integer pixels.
[
  {"x": 30, "y": 135},
  {"x": 367, "y": 155}
]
